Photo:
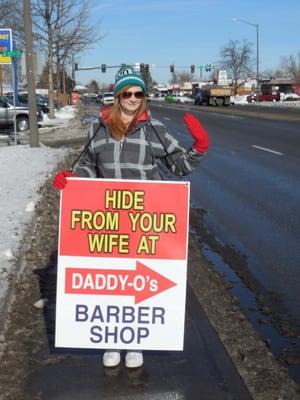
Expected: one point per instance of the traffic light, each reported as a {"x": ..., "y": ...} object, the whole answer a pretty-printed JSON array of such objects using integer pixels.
[
  {"x": 76, "y": 66},
  {"x": 142, "y": 67},
  {"x": 172, "y": 69},
  {"x": 103, "y": 67},
  {"x": 192, "y": 69},
  {"x": 207, "y": 67},
  {"x": 146, "y": 66}
]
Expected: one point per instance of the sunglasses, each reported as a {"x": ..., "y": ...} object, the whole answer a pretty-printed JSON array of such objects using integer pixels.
[{"x": 128, "y": 95}]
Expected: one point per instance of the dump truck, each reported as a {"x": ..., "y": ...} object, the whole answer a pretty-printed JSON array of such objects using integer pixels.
[{"x": 213, "y": 95}]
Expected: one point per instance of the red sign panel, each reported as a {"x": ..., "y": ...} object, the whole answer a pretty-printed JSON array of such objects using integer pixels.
[{"x": 130, "y": 219}]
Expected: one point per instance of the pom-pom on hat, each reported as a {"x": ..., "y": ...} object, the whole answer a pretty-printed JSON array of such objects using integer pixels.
[{"x": 126, "y": 76}]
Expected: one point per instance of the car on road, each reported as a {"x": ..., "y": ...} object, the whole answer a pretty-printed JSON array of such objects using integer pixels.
[
  {"x": 263, "y": 97},
  {"x": 178, "y": 98},
  {"x": 107, "y": 98},
  {"x": 22, "y": 115}
]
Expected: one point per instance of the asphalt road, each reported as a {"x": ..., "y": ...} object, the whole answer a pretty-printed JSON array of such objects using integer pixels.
[{"x": 249, "y": 186}]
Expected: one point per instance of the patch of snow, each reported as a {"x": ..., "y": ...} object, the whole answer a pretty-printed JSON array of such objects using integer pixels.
[
  {"x": 41, "y": 303},
  {"x": 24, "y": 170},
  {"x": 62, "y": 117},
  {"x": 8, "y": 254},
  {"x": 30, "y": 206},
  {"x": 238, "y": 99}
]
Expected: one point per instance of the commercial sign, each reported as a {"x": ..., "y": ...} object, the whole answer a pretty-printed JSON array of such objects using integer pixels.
[
  {"x": 122, "y": 264},
  {"x": 5, "y": 45}
]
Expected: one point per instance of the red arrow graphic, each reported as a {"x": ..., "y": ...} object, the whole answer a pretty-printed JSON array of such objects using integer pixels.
[{"x": 142, "y": 283}]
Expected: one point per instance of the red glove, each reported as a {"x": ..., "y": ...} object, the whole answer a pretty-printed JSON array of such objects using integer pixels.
[
  {"x": 60, "y": 179},
  {"x": 198, "y": 132}
]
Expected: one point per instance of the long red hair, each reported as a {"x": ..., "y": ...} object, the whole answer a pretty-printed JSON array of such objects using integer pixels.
[{"x": 118, "y": 128}]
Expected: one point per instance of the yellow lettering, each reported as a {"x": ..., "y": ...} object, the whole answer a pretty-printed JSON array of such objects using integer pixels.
[
  {"x": 153, "y": 240},
  {"x": 86, "y": 220},
  {"x": 133, "y": 218},
  {"x": 107, "y": 242},
  {"x": 170, "y": 223},
  {"x": 98, "y": 220},
  {"x": 75, "y": 217},
  {"x": 147, "y": 244},
  {"x": 143, "y": 245},
  {"x": 124, "y": 199},
  {"x": 155, "y": 222}
]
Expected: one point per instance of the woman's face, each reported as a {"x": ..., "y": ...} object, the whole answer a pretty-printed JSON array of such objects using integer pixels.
[{"x": 131, "y": 100}]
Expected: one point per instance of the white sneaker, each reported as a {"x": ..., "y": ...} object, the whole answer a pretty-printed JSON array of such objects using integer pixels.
[
  {"x": 111, "y": 358},
  {"x": 134, "y": 359}
]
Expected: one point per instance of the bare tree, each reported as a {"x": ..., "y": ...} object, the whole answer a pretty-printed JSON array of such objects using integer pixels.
[
  {"x": 11, "y": 19},
  {"x": 174, "y": 79},
  {"x": 73, "y": 34},
  {"x": 290, "y": 67},
  {"x": 61, "y": 28},
  {"x": 180, "y": 77},
  {"x": 184, "y": 76},
  {"x": 93, "y": 86},
  {"x": 236, "y": 58}
]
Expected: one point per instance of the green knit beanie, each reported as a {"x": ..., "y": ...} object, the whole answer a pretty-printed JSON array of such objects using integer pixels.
[{"x": 126, "y": 76}]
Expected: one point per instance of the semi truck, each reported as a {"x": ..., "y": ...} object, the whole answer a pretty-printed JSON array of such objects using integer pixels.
[{"x": 213, "y": 95}]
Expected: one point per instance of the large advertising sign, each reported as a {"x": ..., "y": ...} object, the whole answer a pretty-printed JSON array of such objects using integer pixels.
[
  {"x": 122, "y": 264},
  {"x": 5, "y": 45}
]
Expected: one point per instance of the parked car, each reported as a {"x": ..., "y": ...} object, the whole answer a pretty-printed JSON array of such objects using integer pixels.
[
  {"x": 263, "y": 97},
  {"x": 42, "y": 101},
  {"x": 290, "y": 97},
  {"x": 108, "y": 98},
  {"x": 22, "y": 115},
  {"x": 89, "y": 98}
]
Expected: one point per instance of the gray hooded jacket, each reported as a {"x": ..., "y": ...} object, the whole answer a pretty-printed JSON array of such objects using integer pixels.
[{"x": 136, "y": 156}]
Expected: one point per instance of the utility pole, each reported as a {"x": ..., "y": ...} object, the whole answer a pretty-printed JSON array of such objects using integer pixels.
[
  {"x": 34, "y": 134},
  {"x": 1, "y": 83},
  {"x": 73, "y": 73}
]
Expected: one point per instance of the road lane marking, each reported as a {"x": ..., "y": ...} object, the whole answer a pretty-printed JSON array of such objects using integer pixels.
[
  {"x": 265, "y": 149},
  {"x": 167, "y": 119}
]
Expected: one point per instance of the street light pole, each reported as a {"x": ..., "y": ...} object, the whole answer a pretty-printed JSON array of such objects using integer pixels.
[{"x": 257, "y": 46}]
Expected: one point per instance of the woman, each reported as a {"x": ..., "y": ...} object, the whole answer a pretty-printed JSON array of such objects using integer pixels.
[{"x": 128, "y": 144}]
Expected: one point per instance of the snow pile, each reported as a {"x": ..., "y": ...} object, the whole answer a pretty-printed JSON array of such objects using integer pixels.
[
  {"x": 62, "y": 117},
  {"x": 23, "y": 170},
  {"x": 287, "y": 100},
  {"x": 238, "y": 99}
]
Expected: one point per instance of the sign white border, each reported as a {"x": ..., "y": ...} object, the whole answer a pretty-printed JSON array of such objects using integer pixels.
[{"x": 116, "y": 322}]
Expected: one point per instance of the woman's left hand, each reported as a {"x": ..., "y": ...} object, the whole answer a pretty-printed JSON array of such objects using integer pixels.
[{"x": 198, "y": 132}]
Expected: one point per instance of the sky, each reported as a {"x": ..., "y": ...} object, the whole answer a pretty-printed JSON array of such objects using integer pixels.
[{"x": 186, "y": 32}]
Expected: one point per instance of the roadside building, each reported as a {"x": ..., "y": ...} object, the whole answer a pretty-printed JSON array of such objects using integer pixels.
[{"x": 282, "y": 85}]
